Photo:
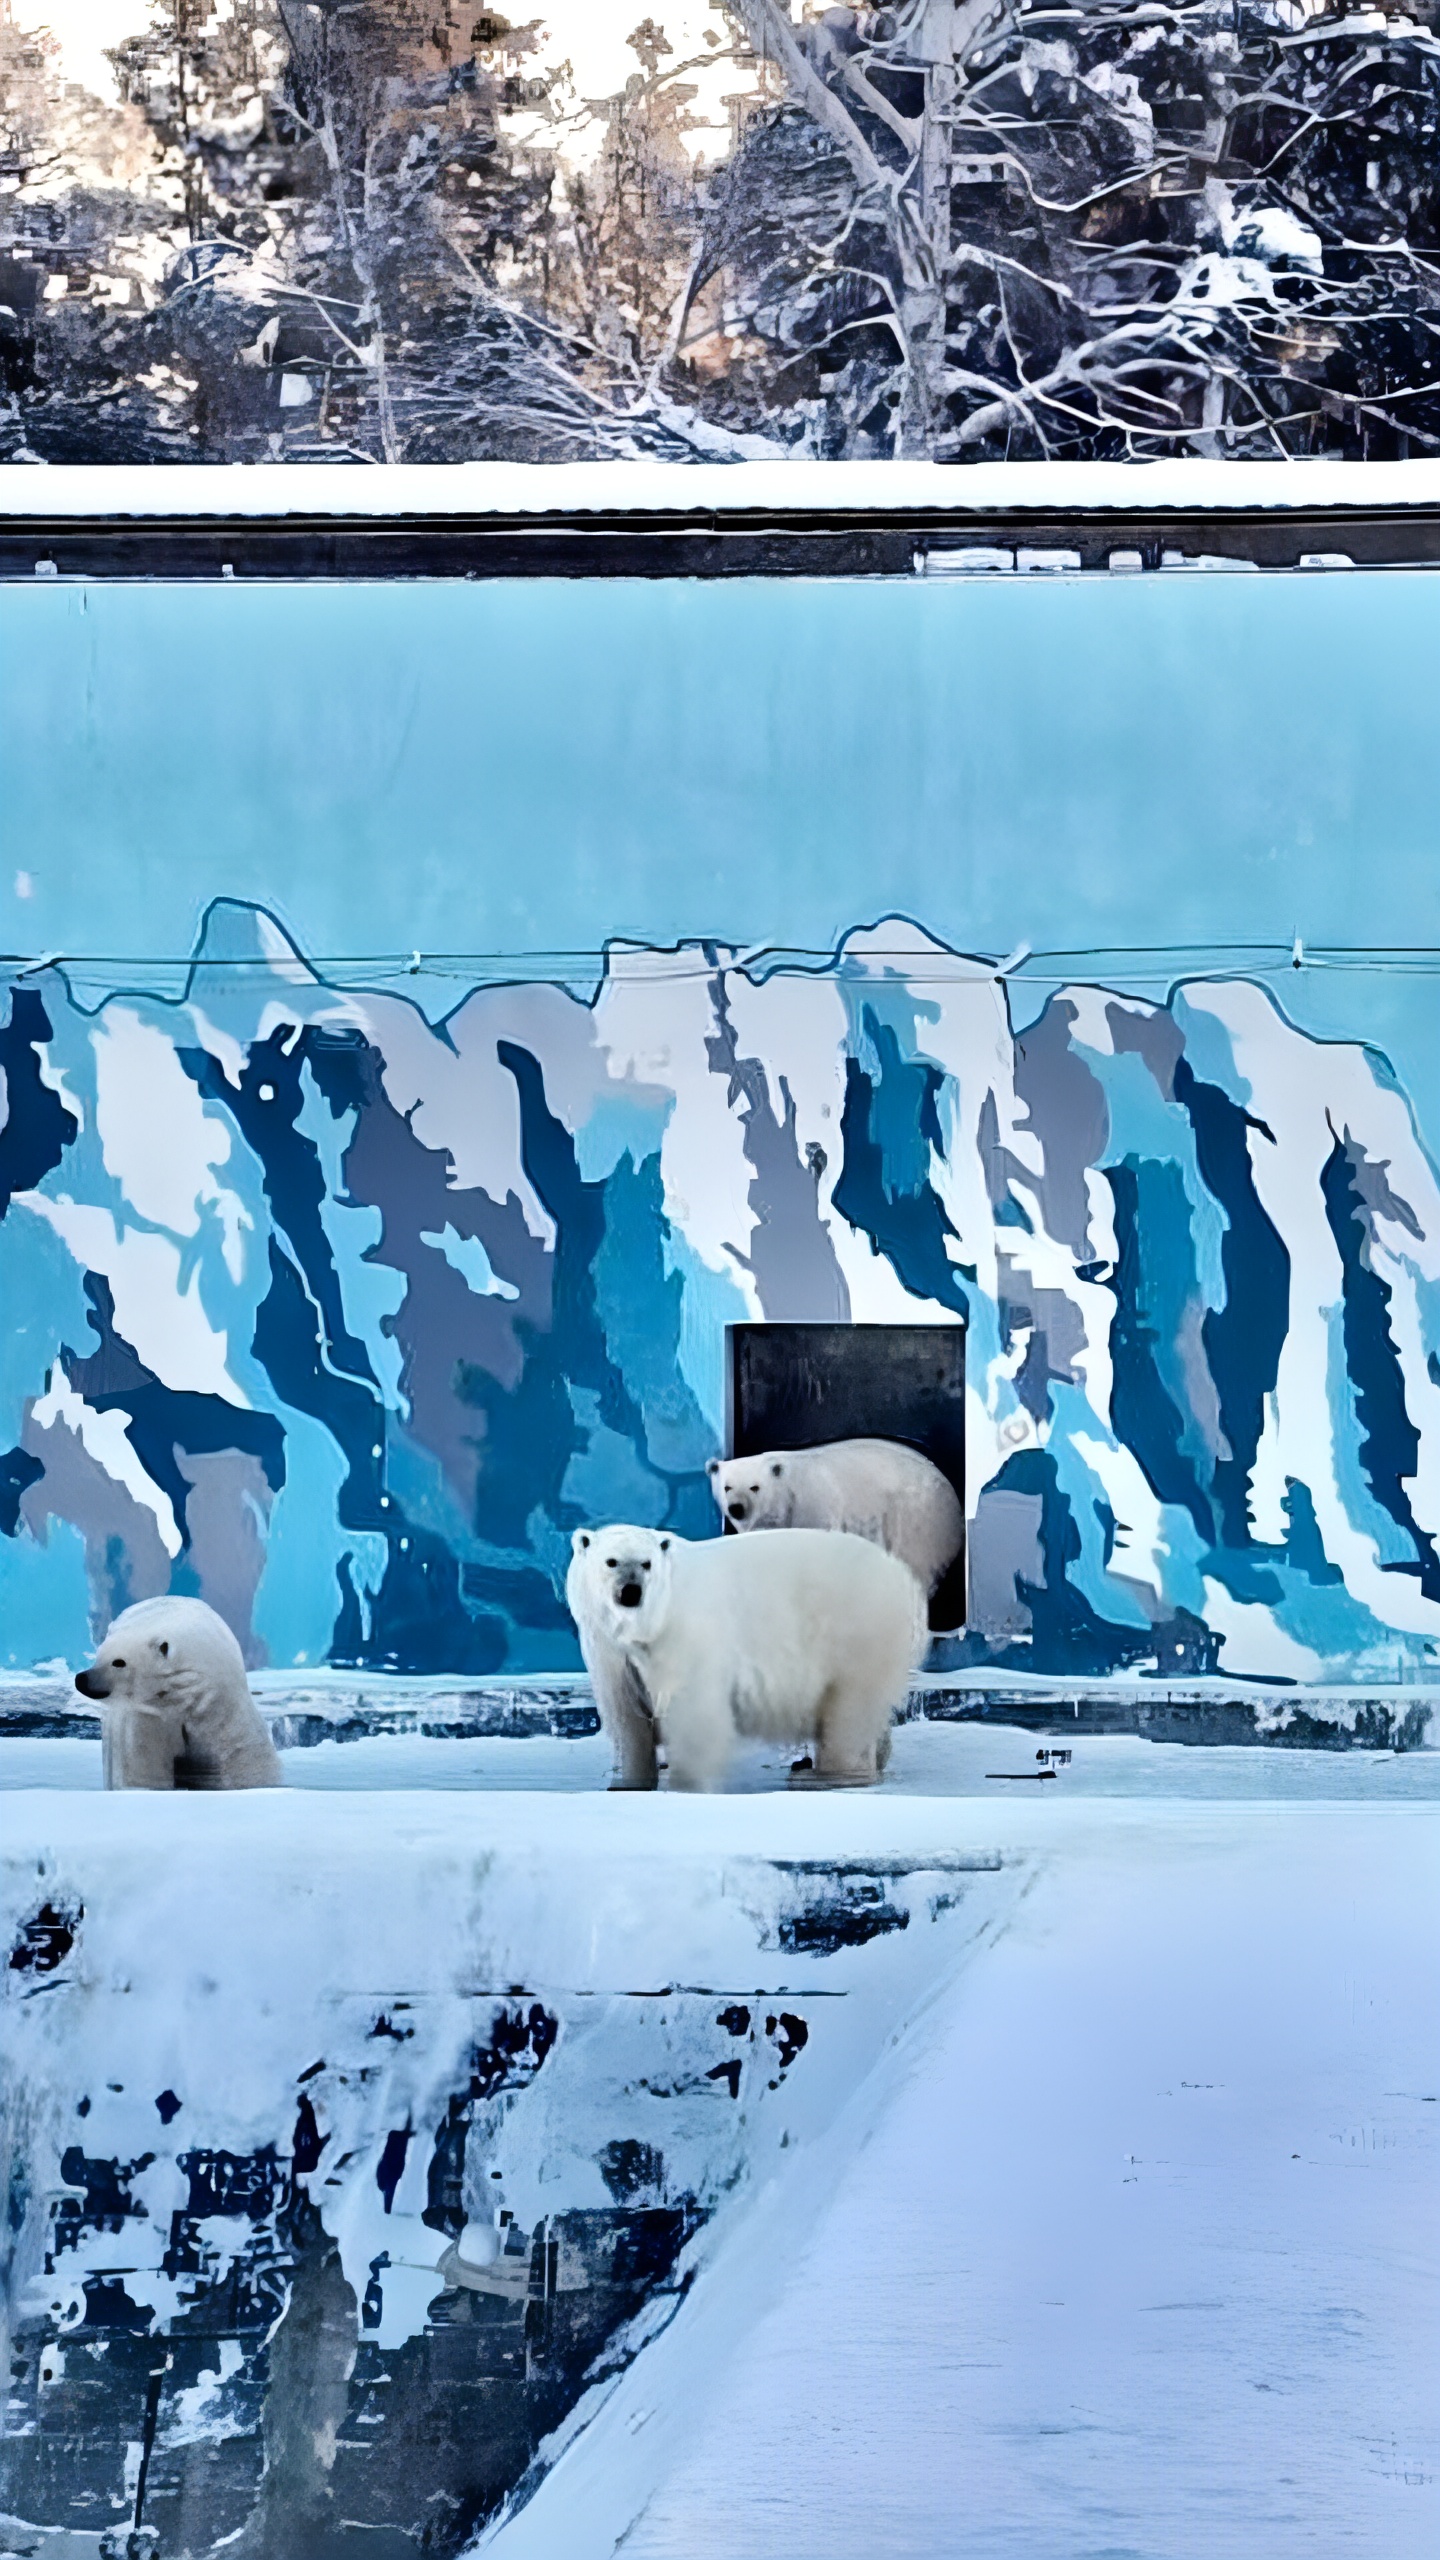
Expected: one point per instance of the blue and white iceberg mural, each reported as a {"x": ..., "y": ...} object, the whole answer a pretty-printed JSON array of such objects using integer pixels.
[{"x": 343, "y": 1318}]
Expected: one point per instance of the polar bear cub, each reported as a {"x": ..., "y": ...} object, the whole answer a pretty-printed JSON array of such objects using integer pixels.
[
  {"x": 877, "y": 1489},
  {"x": 177, "y": 1705},
  {"x": 811, "y": 1638}
]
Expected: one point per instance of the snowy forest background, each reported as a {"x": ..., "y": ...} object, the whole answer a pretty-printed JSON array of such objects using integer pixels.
[{"x": 406, "y": 230}]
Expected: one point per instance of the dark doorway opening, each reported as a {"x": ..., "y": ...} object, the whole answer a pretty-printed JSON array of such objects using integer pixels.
[{"x": 795, "y": 1386}]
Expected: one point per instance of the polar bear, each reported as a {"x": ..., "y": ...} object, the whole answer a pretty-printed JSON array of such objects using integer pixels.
[
  {"x": 177, "y": 1706},
  {"x": 811, "y": 1638},
  {"x": 877, "y": 1489},
  {"x": 626, "y": 1715}
]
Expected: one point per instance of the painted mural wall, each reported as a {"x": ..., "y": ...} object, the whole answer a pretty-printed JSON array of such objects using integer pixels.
[
  {"x": 240, "y": 231},
  {"x": 340, "y": 1282},
  {"x": 344, "y": 1319}
]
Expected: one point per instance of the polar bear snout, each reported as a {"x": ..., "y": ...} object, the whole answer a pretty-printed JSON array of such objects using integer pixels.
[
  {"x": 737, "y": 1508},
  {"x": 92, "y": 1684},
  {"x": 630, "y": 1594}
]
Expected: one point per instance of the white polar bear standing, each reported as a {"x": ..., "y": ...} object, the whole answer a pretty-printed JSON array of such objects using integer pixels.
[
  {"x": 876, "y": 1489},
  {"x": 177, "y": 1705},
  {"x": 811, "y": 1638},
  {"x": 626, "y": 1715}
]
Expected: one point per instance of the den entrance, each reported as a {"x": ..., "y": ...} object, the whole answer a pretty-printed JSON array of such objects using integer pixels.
[{"x": 795, "y": 1386}]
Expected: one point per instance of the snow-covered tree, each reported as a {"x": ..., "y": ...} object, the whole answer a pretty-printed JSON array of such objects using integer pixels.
[
  {"x": 974, "y": 227},
  {"x": 952, "y": 228}
]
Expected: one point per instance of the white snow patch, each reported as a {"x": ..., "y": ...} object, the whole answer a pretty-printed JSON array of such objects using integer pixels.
[
  {"x": 467, "y": 1255},
  {"x": 1256, "y": 1646},
  {"x": 157, "y": 1138},
  {"x": 165, "y": 1325},
  {"x": 1141, "y": 1546},
  {"x": 104, "y": 1438},
  {"x": 1273, "y": 234}
]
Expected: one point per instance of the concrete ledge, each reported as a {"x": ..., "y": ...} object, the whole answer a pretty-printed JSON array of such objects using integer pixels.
[{"x": 345, "y": 1706}]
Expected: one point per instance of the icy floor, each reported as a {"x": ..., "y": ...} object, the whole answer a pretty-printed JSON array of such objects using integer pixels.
[
  {"x": 1128, "y": 2246},
  {"x": 1139, "y": 2263},
  {"x": 928, "y": 1760}
]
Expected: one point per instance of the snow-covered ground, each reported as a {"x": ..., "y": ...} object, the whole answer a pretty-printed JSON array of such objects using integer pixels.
[
  {"x": 1141, "y": 2262},
  {"x": 928, "y": 1760},
  {"x": 1098, "y": 2220}
]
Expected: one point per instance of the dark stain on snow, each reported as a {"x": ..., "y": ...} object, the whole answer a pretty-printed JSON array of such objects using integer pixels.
[
  {"x": 385, "y": 2026},
  {"x": 236, "y": 2183},
  {"x": 632, "y": 2170},
  {"x": 391, "y": 2168},
  {"x": 791, "y": 2034},
  {"x": 45, "y": 1941},
  {"x": 308, "y": 2142},
  {"x": 316, "y": 2436},
  {"x": 519, "y": 2041},
  {"x": 854, "y": 1908},
  {"x": 106, "y": 2203}
]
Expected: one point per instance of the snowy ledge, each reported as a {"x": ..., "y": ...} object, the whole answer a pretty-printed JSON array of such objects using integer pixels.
[
  {"x": 441, "y": 490},
  {"x": 221, "y": 2013},
  {"x": 310, "y": 1708}
]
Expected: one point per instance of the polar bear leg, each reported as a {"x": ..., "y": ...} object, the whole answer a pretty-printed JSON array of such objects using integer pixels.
[
  {"x": 141, "y": 1746},
  {"x": 632, "y": 1732},
  {"x": 852, "y": 1732},
  {"x": 699, "y": 1735},
  {"x": 626, "y": 1718}
]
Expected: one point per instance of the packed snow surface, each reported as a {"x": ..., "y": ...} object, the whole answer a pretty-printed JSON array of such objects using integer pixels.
[
  {"x": 1140, "y": 2262},
  {"x": 1096, "y": 2217},
  {"x": 927, "y": 1760}
]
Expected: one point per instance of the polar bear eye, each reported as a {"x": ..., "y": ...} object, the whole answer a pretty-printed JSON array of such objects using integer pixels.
[
  {"x": 119, "y": 1662},
  {"x": 610, "y": 1563},
  {"x": 163, "y": 1646}
]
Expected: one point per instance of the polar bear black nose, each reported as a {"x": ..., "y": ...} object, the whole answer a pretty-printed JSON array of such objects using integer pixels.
[
  {"x": 736, "y": 1510},
  {"x": 91, "y": 1684},
  {"x": 630, "y": 1595}
]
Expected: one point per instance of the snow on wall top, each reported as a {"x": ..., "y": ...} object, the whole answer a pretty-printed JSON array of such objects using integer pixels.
[
  {"x": 539, "y": 488},
  {"x": 345, "y": 1320}
]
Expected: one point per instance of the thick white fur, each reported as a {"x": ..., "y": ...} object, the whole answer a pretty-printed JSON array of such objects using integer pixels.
[
  {"x": 172, "y": 1681},
  {"x": 876, "y": 1489},
  {"x": 615, "y": 1677},
  {"x": 811, "y": 1638}
]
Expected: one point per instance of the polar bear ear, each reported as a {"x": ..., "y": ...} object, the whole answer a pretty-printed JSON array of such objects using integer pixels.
[
  {"x": 580, "y": 1542},
  {"x": 664, "y": 1545},
  {"x": 776, "y": 1468},
  {"x": 712, "y": 1468}
]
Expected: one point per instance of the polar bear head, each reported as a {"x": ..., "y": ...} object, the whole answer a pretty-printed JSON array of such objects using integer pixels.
[
  {"x": 619, "y": 1579},
  {"x": 753, "y": 1493},
  {"x": 164, "y": 1653}
]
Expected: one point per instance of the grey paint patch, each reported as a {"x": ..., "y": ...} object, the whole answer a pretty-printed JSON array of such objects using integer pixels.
[
  {"x": 1069, "y": 1115},
  {"x": 1152, "y": 1035},
  {"x": 1057, "y": 1337},
  {"x": 1004, "y": 1550},
  {"x": 1371, "y": 1180},
  {"x": 229, "y": 1498},
  {"x": 790, "y": 1255},
  {"x": 125, "y": 1558}
]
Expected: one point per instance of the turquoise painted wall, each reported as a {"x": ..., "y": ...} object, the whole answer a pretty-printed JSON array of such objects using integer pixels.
[{"x": 344, "y": 1312}]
